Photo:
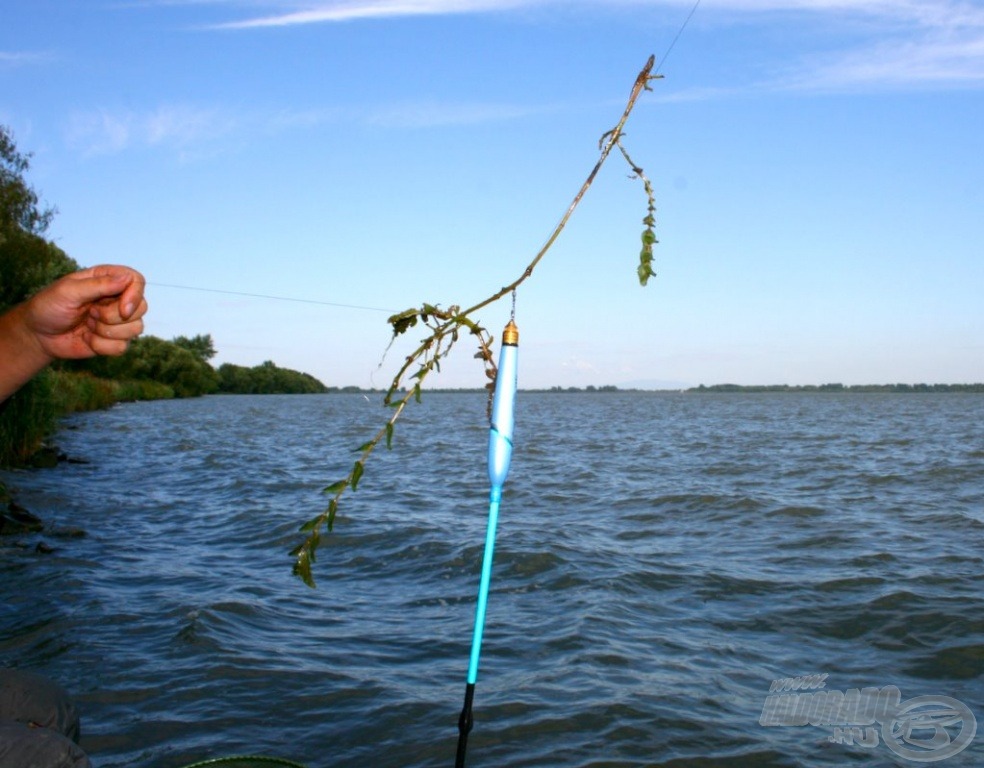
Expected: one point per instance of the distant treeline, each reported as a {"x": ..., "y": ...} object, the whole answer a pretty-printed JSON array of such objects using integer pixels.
[
  {"x": 841, "y": 388},
  {"x": 182, "y": 367},
  {"x": 151, "y": 369}
]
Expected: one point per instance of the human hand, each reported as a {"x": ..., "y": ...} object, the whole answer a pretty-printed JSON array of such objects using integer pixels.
[{"x": 95, "y": 311}]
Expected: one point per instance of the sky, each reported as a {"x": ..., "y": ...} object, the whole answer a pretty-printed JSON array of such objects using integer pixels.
[{"x": 818, "y": 168}]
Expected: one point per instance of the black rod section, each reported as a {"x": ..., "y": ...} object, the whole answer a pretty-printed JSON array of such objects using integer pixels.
[{"x": 465, "y": 723}]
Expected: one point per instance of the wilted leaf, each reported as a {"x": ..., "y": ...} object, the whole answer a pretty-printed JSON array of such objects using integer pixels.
[{"x": 403, "y": 321}]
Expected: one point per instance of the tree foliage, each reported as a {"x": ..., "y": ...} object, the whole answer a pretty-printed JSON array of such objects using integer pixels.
[
  {"x": 27, "y": 263},
  {"x": 19, "y": 204},
  {"x": 200, "y": 346},
  {"x": 266, "y": 379},
  {"x": 150, "y": 358}
]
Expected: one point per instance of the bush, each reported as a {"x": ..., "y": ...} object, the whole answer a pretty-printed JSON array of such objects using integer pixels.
[{"x": 27, "y": 418}]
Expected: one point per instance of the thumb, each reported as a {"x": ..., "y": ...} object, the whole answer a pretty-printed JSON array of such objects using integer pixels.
[{"x": 85, "y": 289}]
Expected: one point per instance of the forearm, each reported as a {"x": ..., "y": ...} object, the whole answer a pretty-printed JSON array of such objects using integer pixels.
[{"x": 21, "y": 354}]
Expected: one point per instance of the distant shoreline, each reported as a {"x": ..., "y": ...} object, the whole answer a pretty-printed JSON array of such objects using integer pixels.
[{"x": 714, "y": 388}]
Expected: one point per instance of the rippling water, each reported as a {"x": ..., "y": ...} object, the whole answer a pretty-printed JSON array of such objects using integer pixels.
[{"x": 661, "y": 559}]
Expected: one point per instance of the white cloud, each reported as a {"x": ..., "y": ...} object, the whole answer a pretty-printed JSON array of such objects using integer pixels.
[
  {"x": 108, "y": 132},
  {"x": 908, "y": 42},
  {"x": 186, "y": 129},
  {"x": 905, "y": 62},
  {"x": 351, "y": 10},
  {"x": 429, "y": 115},
  {"x": 18, "y": 58}
]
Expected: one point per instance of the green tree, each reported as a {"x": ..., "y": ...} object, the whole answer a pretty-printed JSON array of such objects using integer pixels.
[
  {"x": 19, "y": 203},
  {"x": 201, "y": 346},
  {"x": 266, "y": 379},
  {"x": 27, "y": 263},
  {"x": 152, "y": 359}
]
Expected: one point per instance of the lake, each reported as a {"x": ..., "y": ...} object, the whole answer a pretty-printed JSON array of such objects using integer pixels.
[{"x": 662, "y": 559}]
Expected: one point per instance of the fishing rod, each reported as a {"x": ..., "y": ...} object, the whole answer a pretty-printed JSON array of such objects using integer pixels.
[{"x": 500, "y": 455}]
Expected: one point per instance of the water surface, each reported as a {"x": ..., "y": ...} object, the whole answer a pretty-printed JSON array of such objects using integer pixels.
[{"x": 661, "y": 559}]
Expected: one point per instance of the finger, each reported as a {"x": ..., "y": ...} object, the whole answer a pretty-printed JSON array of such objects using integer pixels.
[
  {"x": 132, "y": 299},
  {"x": 111, "y": 311},
  {"x": 109, "y": 281},
  {"x": 101, "y": 345},
  {"x": 85, "y": 289},
  {"x": 120, "y": 331}
]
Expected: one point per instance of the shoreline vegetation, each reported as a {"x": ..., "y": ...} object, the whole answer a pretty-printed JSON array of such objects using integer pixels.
[
  {"x": 715, "y": 388},
  {"x": 151, "y": 369}
]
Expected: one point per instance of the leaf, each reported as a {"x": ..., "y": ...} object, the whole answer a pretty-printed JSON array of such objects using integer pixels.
[
  {"x": 338, "y": 487},
  {"x": 403, "y": 321},
  {"x": 302, "y": 568},
  {"x": 357, "y": 474},
  {"x": 332, "y": 509},
  {"x": 416, "y": 392},
  {"x": 365, "y": 447},
  {"x": 389, "y": 434},
  {"x": 311, "y": 524},
  {"x": 649, "y": 237}
]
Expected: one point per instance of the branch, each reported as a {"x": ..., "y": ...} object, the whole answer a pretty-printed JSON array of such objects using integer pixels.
[{"x": 447, "y": 325}]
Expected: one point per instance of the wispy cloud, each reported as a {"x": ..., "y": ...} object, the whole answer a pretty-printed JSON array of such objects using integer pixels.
[
  {"x": 895, "y": 42},
  {"x": 945, "y": 60},
  {"x": 20, "y": 58},
  {"x": 898, "y": 42},
  {"x": 178, "y": 126},
  {"x": 431, "y": 114},
  {"x": 352, "y": 10},
  {"x": 190, "y": 130}
]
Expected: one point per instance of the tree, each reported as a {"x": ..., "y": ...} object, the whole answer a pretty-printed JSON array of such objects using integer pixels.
[
  {"x": 200, "y": 346},
  {"x": 27, "y": 263},
  {"x": 18, "y": 200},
  {"x": 265, "y": 379}
]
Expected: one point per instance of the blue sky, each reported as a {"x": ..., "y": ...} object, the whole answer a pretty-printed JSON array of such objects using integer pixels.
[{"x": 818, "y": 169}]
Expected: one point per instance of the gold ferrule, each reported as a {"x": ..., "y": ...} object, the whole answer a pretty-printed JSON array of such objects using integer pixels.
[{"x": 510, "y": 335}]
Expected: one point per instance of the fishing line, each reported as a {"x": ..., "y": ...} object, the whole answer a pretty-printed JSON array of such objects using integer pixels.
[
  {"x": 274, "y": 298},
  {"x": 679, "y": 32}
]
